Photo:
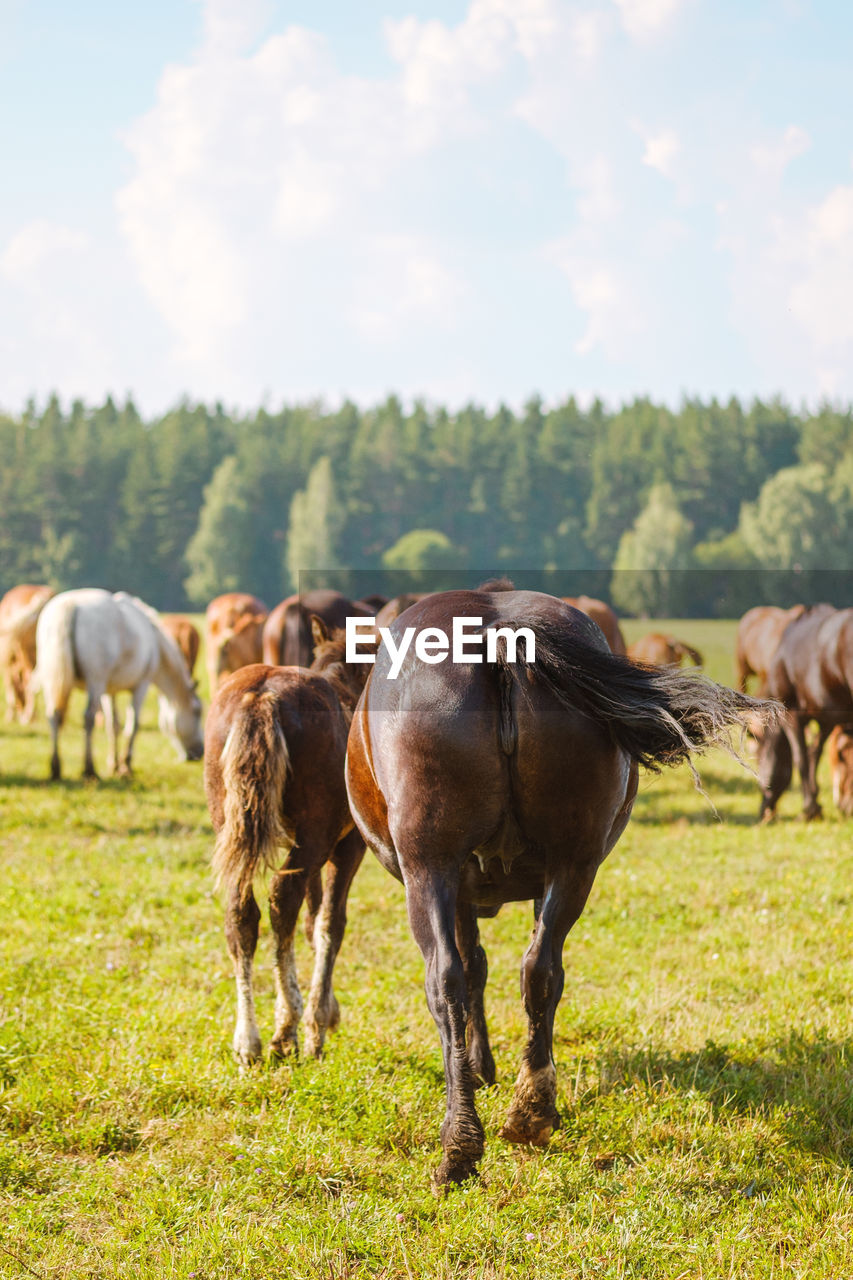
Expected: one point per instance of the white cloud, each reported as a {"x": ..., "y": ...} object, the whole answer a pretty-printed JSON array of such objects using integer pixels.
[
  {"x": 822, "y": 288},
  {"x": 233, "y": 25},
  {"x": 30, "y": 247},
  {"x": 617, "y": 310},
  {"x": 662, "y": 151},
  {"x": 644, "y": 18},
  {"x": 403, "y": 276},
  {"x": 772, "y": 158}
]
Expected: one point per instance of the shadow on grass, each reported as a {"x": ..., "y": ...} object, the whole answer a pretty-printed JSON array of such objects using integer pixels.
[
  {"x": 33, "y": 782},
  {"x": 804, "y": 1085}
]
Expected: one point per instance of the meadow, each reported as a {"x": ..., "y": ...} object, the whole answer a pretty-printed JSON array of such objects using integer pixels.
[{"x": 703, "y": 1049}]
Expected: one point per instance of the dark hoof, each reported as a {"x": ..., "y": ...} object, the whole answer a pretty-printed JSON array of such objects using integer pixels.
[
  {"x": 813, "y": 813},
  {"x": 766, "y": 817},
  {"x": 531, "y": 1131},
  {"x": 55, "y": 772},
  {"x": 452, "y": 1173},
  {"x": 90, "y": 774}
]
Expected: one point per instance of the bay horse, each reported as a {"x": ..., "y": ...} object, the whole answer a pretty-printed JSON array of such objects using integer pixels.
[
  {"x": 18, "y": 651},
  {"x": 758, "y": 634},
  {"x": 839, "y": 751},
  {"x": 185, "y": 635},
  {"x": 104, "y": 644},
  {"x": 811, "y": 674},
  {"x": 483, "y": 783},
  {"x": 233, "y": 630},
  {"x": 663, "y": 651},
  {"x": 274, "y": 777},
  {"x": 288, "y": 640},
  {"x": 602, "y": 614}
]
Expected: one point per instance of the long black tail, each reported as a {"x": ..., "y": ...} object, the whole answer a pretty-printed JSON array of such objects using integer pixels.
[{"x": 659, "y": 715}]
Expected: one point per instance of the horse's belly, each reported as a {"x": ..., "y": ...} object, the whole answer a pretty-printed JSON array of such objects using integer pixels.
[{"x": 489, "y": 883}]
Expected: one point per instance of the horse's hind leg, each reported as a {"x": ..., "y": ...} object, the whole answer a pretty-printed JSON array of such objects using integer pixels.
[
  {"x": 313, "y": 898},
  {"x": 242, "y": 917},
  {"x": 287, "y": 892},
  {"x": 131, "y": 726},
  {"x": 54, "y": 721},
  {"x": 108, "y": 706},
  {"x": 431, "y": 902},
  {"x": 775, "y": 767},
  {"x": 89, "y": 770},
  {"x": 533, "y": 1114},
  {"x": 476, "y": 971},
  {"x": 322, "y": 1012}
]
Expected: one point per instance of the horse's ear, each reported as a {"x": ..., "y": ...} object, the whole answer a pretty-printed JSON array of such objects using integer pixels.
[{"x": 319, "y": 632}]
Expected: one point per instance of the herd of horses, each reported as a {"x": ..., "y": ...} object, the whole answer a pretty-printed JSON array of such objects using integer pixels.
[{"x": 474, "y": 783}]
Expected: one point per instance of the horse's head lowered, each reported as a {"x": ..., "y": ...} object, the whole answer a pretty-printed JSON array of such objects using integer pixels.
[{"x": 181, "y": 722}]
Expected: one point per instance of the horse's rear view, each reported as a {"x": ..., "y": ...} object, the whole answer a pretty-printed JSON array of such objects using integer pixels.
[{"x": 483, "y": 784}]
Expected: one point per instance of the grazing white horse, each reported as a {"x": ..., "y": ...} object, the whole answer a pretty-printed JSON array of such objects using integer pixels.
[{"x": 106, "y": 643}]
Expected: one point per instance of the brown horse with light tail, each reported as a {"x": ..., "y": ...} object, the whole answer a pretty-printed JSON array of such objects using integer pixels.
[
  {"x": 479, "y": 784},
  {"x": 274, "y": 776}
]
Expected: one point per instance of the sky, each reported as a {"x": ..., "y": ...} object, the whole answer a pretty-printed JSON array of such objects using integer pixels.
[{"x": 263, "y": 202}]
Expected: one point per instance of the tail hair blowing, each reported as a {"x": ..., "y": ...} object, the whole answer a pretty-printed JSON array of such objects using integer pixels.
[
  {"x": 659, "y": 715},
  {"x": 255, "y": 764}
]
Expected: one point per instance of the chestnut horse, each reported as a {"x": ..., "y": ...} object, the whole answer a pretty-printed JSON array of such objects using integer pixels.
[
  {"x": 185, "y": 636},
  {"x": 839, "y": 751},
  {"x": 18, "y": 652},
  {"x": 234, "y": 626},
  {"x": 288, "y": 640},
  {"x": 663, "y": 651},
  {"x": 811, "y": 674},
  {"x": 479, "y": 784},
  {"x": 758, "y": 634},
  {"x": 274, "y": 777},
  {"x": 602, "y": 614}
]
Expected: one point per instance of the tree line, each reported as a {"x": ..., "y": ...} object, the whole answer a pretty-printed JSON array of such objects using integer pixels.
[{"x": 704, "y": 510}]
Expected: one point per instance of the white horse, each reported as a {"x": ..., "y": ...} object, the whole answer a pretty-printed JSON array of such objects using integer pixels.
[{"x": 105, "y": 643}]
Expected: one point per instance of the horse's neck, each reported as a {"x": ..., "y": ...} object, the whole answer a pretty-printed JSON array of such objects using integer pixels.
[{"x": 170, "y": 678}]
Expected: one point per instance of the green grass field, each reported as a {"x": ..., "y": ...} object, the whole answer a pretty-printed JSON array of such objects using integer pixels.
[{"x": 702, "y": 1045}]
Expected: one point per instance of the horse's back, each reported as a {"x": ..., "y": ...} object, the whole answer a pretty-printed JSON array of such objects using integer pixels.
[
  {"x": 312, "y": 723},
  {"x": 812, "y": 668},
  {"x": 496, "y": 746}
]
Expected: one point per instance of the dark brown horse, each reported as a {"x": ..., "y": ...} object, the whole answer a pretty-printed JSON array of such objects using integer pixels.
[
  {"x": 811, "y": 674},
  {"x": 274, "y": 776},
  {"x": 758, "y": 634},
  {"x": 288, "y": 639},
  {"x": 479, "y": 784},
  {"x": 663, "y": 651}
]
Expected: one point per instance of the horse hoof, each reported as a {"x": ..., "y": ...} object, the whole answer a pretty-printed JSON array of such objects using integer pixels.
[
  {"x": 452, "y": 1173},
  {"x": 768, "y": 816},
  {"x": 90, "y": 775},
  {"x": 530, "y": 1131},
  {"x": 281, "y": 1049},
  {"x": 814, "y": 813}
]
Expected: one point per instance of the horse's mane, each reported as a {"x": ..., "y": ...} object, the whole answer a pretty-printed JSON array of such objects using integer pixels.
[
  {"x": 167, "y": 641},
  {"x": 496, "y": 584}
]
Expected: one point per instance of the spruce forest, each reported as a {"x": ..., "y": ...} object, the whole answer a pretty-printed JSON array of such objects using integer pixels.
[{"x": 712, "y": 508}]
